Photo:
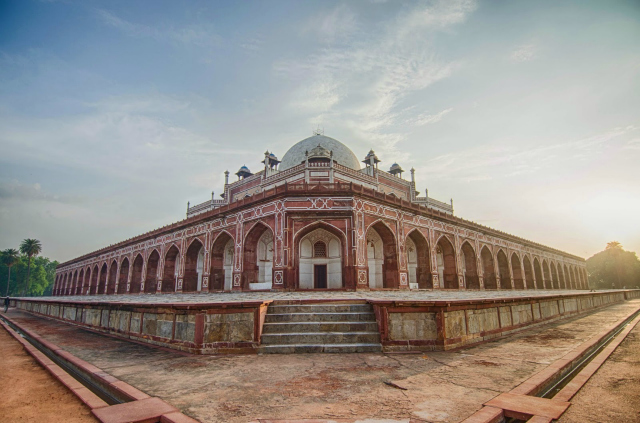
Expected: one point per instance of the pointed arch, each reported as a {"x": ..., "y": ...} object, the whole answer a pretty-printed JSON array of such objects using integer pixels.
[
  {"x": 382, "y": 256},
  {"x": 222, "y": 258},
  {"x": 93, "y": 287},
  {"x": 469, "y": 266},
  {"x": 516, "y": 266},
  {"x": 537, "y": 269},
  {"x": 318, "y": 269},
  {"x": 123, "y": 276},
  {"x": 193, "y": 266},
  {"x": 554, "y": 276},
  {"x": 257, "y": 270},
  {"x": 488, "y": 269},
  {"x": 420, "y": 269},
  {"x": 503, "y": 270},
  {"x": 567, "y": 277},
  {"x": 151, "y": 278},
  {"x": 136, "y": 274},
  {"x": 528, "y": 273},
  {"x": 446, "y": 263},
  {"x": 102, "y": 282},
  {"x": 585, "y": 277},
  {"x": 79, "y": 282},
  {"x": 561, "y": 277},
  {"x": 547, "y": 274},
  {"x": 171, "y": 269}
]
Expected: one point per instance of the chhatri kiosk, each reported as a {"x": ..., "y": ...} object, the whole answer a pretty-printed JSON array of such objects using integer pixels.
[{"x": 320, "y": 219}]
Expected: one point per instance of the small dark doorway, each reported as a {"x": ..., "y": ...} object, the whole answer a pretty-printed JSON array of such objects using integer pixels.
[{"x": 320, "y": 276}]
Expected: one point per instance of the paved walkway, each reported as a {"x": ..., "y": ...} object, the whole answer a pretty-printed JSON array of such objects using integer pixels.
[
  {"x": 215, "y": 297},
  {"x": 441, "y": 386}
]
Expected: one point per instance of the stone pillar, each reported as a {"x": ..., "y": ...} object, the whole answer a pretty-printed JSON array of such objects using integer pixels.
[
  {"x": 524, "y": 275},
  {"x": 129, "y": 276}
]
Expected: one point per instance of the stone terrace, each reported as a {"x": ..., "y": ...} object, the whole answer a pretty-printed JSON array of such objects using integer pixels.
[{"x": 225, "y": 297}]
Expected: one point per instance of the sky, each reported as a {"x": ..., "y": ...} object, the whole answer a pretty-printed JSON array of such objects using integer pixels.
[{"x": 115, "y": 114}]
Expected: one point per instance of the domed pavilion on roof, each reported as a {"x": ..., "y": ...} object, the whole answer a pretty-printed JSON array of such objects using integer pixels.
[{"x": 320, "y": 220}]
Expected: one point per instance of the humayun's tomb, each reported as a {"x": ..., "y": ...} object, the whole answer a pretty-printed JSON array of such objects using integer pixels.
[{"x": 319, "y": 220}]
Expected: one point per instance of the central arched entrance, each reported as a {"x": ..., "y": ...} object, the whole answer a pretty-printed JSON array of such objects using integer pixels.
[
  {"x": 222, "y": 255},
  {"x": 320, "y": 260},
  {"x": 258, "y": 258},
  {"x": 382, "y": 257},
  {"x": 418, "y": 261}
]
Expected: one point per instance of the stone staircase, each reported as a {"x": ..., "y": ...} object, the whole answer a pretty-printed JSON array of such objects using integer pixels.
[{"x": 320, "y": 328}]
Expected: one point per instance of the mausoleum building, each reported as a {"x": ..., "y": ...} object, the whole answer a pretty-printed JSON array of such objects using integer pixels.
[{"x": 320, "y": 219}]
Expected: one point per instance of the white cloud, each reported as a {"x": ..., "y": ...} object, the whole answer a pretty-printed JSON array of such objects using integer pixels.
[
  {"x": 363, "y": 82},
  {"x": 194, "y": 34},
  {"x": 335, "y": 26},
  {"x": 524, "y": 53}
]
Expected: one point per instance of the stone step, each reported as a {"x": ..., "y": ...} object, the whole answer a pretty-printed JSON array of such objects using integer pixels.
[
  {"x": 319, "y": 308},
  {"x": 326, "y": 348},
  {"x": 300, "y": 327},
  {"x": 320, "y": 317},
  {"x": 320, "y": 338}
]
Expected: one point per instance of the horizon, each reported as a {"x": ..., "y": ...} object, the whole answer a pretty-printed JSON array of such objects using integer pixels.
[{"x": 113, "y": 116}]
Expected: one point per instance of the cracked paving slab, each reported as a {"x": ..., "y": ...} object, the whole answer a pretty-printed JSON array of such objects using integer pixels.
[{"x": 440, "y": 386}]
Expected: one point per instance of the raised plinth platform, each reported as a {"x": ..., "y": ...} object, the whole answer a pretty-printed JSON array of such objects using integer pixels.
[{"x": 234, "y": 323}]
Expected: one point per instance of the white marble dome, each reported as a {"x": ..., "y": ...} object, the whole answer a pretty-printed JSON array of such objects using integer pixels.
[{"x": 341, "y": 153}]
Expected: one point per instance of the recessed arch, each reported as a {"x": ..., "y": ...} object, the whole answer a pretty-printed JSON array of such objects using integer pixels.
[
  {"x": 488, "y": 269},
  {"x": 136, "y": 274},
  {"x": 80, "y": 282},
  {"x": 469, "y": 266},
  {"x": 554, "y": 276},
  {"x": 503, "y": 270},
  {"x": 528, "y": 273},
  {"x": 112, "y": 276},
  {"x": 382, "y": 256},
  {"x": 567, "y": 278},
  {"x": 124, "y": 276},
  {"x": 171, "y": 269},
  {"x": 446, "y": 263},
  {"x": 305, "y": 264},
  {"x": 561, "y": 277},
  {"x": 418, "y": 261},
  {"x": 258, "y": 257},
  {"x": 102, "y": 278},
  {"x": 547, "y": 275},
  {"x": 222, "y": 261},
  {"x": 537, "y": 269},
  {"x": 516, "y": 267},
  {"x": 151, "y": 278},
  {"x": 193, "y": 266},
  {"x": 94, "y": 280}
]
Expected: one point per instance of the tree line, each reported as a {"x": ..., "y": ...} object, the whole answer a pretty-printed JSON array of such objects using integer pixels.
[
  {"x": 24, "y": 273},
  {"x": 614, "y": 268}
]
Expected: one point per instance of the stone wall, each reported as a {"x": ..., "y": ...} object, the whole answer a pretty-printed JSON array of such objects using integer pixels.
[
  {"x": 445, "y": 325},
  {"x": 197, "y": 328}
]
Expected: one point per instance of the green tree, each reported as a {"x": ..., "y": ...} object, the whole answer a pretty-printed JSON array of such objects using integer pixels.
[
  {"x": 30, "y": 247},
  {"x": 614, "y": 268},
  {"x": 10, "y": 258}
]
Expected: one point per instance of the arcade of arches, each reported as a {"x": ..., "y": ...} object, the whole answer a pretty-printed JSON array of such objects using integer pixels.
[{"x": 323, "y": 258}]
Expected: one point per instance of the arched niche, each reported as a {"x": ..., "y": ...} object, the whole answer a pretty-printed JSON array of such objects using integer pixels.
[
  {"x": 193, "y": 267},
  {"x": 113, "y": 276},
  {"x": 382, "y": 257},
  {"x": 538, "y": 272},
  {"x": 446, "y": 264},
  {"x": 124, "y": 275},
  {"x": 488, "y": 269},
  {"x": 320, "y": 261},
  {"x": 418, "y": 261},
  {"x": 503, "y": 269},
  {"x": 469, "y": 267},
  {"x": 102, "y": 282},
  {"x": 136, "y": 274},
  {"x": 258, "y": 258},
  {"x": 518, "y": 281},
  {"x": 151, "y": 278},
  {"x": 171, "y": 270},
  {"x": 222, "y": 256}
]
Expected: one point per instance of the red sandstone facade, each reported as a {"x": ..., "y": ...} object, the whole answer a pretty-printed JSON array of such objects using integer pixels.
[{"x": 320, "y": 223}]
